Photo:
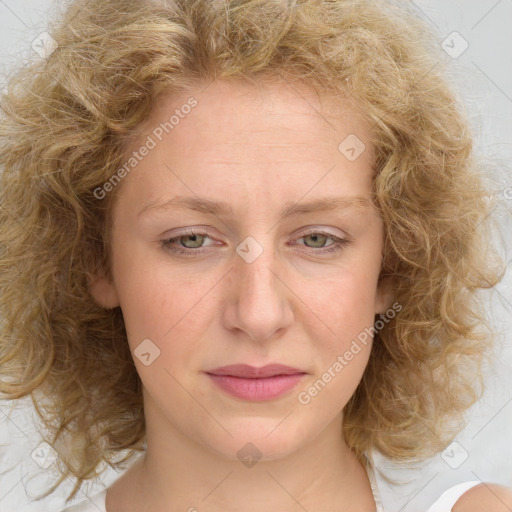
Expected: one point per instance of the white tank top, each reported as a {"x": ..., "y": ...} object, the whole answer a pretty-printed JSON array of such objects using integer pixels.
[
  {"x": 444, "y": 503},
  {"x": 448, "y": 499}
]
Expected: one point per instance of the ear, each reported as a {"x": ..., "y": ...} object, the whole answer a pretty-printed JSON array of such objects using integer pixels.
[
  {"x": 103, "y": 291},
  {"x": 385, "y": 295}
]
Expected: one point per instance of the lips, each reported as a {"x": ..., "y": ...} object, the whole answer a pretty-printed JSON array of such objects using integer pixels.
[
  {"x": 252, "y": 372},
  {"x": 256, "y": 384}
]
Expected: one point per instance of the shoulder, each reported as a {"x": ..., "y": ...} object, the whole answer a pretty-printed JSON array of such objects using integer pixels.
[{"x": 485, "y": 496}]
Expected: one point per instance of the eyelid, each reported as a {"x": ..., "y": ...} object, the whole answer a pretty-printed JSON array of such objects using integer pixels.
[
  {"x": 323, "y": 230},
  {"x": 340, "y": 242},
  {"x": 189, "y": 230},
  {"x": 203, "y": 230}
]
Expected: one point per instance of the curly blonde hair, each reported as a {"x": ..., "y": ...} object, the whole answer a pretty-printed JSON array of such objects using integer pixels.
[{"x": 66, "y": 123}]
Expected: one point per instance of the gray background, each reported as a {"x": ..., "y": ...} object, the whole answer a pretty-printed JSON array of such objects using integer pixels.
[{"x": 483, "y": 76}]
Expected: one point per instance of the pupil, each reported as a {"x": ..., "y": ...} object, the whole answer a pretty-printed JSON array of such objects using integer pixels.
[
  {"x": 192, "y": 238},
  {"x": 315, "y": 238}
]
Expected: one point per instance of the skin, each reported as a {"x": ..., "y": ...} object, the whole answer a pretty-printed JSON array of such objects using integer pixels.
[
  {"x": 489, "y": 497},
  {"x": 256, "y": 147}
]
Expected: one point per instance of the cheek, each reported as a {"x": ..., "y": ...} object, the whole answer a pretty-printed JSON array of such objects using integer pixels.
[
  {"x": 150, "y": 299},
  {"x": 155, "y": 309},
  {"x": 345, "y": 302},
  {"x": 345, "y": 306}
]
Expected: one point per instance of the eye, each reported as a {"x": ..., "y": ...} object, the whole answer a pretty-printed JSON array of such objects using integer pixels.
[
  {"x": 317, "y": 239},
  {"x": 189, "y": 243},
  {"x": 193, "y": 241}
]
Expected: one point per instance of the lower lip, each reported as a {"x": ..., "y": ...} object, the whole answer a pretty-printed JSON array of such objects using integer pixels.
[{"x": 256, "y": 389}]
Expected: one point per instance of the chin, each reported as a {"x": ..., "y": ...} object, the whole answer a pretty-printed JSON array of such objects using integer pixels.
[{"x": 264, "y": 439}]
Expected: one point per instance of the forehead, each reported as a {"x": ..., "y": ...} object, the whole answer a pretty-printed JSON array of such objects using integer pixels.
[
  {"x": 241, "y": 136},
  {"x": 241, "y": 111}
]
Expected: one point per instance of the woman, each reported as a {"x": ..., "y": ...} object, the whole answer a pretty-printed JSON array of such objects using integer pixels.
[{"x": 250, "y": 251}]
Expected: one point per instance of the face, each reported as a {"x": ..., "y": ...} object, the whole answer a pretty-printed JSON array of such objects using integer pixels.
[{"x": 245, "y": 237}]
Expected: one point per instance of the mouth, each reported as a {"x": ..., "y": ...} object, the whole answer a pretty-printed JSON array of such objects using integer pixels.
[{"x": 256, "y": 384}]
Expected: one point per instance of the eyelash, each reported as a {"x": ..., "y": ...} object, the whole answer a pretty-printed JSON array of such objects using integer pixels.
[{"x": 338, "y": 245}]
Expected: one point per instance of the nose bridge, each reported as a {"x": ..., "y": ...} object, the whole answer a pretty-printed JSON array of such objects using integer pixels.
[
  {"x": 261, "y": 302},
  {"x": 256, "y": 276}
]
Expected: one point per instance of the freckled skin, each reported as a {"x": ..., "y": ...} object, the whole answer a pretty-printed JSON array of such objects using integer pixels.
[{"x": 255, "y": 148}]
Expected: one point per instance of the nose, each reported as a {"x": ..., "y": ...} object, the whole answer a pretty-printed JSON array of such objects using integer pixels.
[{"x": 260, "y": 300}]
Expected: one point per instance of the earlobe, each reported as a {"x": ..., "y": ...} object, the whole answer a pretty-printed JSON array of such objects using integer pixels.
[
  {"x": 385, "y": 295},
  {"x": 103, "y": 291}
]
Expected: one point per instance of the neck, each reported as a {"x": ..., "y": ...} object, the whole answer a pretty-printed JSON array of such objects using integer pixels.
[{"x": 178, "y": 474}]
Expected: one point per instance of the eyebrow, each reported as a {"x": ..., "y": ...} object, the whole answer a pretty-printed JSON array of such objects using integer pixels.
[{"x": 210, "y": 207}]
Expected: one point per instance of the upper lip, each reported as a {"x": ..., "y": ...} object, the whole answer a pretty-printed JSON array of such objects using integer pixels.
[{"x": 247, "y": 371}]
